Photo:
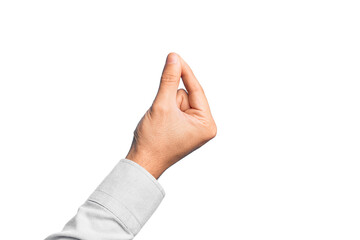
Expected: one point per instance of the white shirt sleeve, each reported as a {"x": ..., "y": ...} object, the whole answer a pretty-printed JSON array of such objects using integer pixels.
[{"x": 118, "y": 208}]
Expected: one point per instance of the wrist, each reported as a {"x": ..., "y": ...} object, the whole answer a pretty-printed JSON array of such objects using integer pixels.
[{"x": 150, "y": 164}]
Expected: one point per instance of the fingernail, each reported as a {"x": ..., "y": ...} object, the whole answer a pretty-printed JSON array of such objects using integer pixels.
[{"x": 171, "y": 58}]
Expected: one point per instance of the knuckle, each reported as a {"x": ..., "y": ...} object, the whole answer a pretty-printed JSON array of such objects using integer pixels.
[
  {"x": 209, "y": 132},
  {"x": 212, "y": 131},
  {"x": 168, "y": 77}
]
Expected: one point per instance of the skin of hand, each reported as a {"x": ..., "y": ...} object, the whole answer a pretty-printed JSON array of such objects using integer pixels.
[{"x": 177, "y": 123}]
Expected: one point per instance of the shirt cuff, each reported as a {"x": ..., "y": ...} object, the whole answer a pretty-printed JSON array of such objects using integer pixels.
[{"x": 131, "y": 193}]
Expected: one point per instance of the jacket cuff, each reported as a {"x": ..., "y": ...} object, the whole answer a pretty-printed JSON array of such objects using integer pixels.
[{"x": 131, "y": 193}]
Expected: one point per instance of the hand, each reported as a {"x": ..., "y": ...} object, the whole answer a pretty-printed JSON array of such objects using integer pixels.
[{"x": 177, "y": 123}]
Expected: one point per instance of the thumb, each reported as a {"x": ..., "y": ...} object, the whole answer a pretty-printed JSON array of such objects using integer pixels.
[{"x": 170, "y": 79}]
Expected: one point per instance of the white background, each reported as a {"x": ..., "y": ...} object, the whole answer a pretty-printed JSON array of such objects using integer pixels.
[{"x": 282, "y": 80}]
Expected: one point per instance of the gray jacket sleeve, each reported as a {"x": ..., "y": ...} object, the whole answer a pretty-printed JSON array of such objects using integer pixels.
[{"x": 118, "y": 208}]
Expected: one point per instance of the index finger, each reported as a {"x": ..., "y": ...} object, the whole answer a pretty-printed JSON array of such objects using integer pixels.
[{"x": 197, "y": 98}]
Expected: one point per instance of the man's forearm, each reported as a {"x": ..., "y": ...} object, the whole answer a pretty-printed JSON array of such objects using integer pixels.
[{"x": 118, "y": 208}]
